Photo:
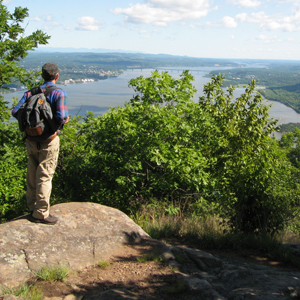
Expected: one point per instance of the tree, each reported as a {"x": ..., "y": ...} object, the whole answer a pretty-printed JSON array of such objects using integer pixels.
[
  {"x": 14, "y": 46},
  {"x": 214, "y": 156}
]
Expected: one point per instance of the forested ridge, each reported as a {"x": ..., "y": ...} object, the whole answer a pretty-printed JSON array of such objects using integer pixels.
[
  {"x": 278, "y": 81},
  {"x": 102, "y": 65}
]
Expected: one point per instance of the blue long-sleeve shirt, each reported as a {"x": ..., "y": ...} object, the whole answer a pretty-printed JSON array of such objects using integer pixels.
[{"x": 57, "y": 99}]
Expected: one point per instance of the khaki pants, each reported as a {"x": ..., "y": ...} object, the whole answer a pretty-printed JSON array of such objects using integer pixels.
[{"x": 40, "y": 170}]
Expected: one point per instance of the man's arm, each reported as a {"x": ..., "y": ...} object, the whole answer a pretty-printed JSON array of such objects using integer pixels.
[
  {"x": 21, "y": 102},
  {"x": 62, "y": 113}
]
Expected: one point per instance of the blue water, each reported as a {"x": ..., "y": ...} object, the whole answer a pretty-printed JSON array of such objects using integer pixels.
[{"x": 99, "y": 96}]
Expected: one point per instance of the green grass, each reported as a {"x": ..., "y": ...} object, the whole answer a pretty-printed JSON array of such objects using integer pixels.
[
  {"x": 150, "y": 257},
  {"x": 103, "y": 264},
  {"x": 180, "y": 287},
  {"x": 56, "y": 273},
  {"x": 210, "y": 234},
  {"x": 25, "y": 291},
  {"x": 180, "y": 258}
]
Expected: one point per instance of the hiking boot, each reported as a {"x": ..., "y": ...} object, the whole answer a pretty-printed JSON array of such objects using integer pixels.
[{"x": 50, "y": 220}]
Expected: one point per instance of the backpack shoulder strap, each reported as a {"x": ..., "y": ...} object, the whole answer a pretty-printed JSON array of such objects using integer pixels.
[
  {"x": 49, "y": 90},
  {"x": 35, "y": 91},
  {"x": 38, "y": 90}
]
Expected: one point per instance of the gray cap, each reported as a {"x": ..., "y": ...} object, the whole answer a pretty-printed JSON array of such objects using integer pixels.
[{"x": 50, "y": 69}]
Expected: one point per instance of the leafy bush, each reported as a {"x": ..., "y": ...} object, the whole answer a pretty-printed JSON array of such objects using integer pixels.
[
  {"x": 163, "y": 148},
  {"x": 210, "y": 157},
  {"x": 12, "y": 167},
  {"x": 14, "y": 46}
]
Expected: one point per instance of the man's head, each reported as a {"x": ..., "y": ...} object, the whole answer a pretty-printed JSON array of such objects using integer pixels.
[{"x": 50, "y": 71}]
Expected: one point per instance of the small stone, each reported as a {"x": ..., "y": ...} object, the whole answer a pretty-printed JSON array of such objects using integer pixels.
[{"x": 73, "y": 297}]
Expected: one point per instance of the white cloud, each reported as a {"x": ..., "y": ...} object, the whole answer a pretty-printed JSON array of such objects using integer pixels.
[
  {"x": 161, "y": 12},
  {"x": 285, "y": 1},
  {"x": 88, "y": 24},
  {"x": 50, "y": 26},
  {"x": 6, "y": 1},
  {"x": 270, "y": 23},
  {"x": 259, "y": 17},
  {"x": 37, "y": 19},
  {"x": 160, "y": 24},
  {"x": 48, "y": 18},
  {"x": 262, "y": 37},
  {"x": 295, "y": 17},
  {"x": 246, "y": 3},
  {"x": 180, "y": 5},
  {"x": 288, "y": 27},
  {"x": 232, "y": 36},
  {"x": 229, "y": 22},
  {"x": 241, "y": 17},
  {"x": 268, "y": 39},
  {"x": 275, "y": 25}
]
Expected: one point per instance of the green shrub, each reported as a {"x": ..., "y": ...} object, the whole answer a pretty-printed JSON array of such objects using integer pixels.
[
  {"x": 25, "y": 291},
  {"x": 56, "y": 273}
]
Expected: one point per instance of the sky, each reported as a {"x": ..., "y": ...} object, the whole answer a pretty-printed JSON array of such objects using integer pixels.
[{"x": 255, "y": 29}]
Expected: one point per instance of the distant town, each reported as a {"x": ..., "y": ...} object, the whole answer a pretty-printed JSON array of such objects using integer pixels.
[{"x": 91, "y": 75}]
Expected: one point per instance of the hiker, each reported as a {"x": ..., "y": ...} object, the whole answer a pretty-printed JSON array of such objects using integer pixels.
[{"x": 43, "y": 144}]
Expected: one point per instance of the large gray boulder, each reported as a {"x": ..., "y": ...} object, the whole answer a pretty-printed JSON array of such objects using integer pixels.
[{"x": 84, "y": 234}]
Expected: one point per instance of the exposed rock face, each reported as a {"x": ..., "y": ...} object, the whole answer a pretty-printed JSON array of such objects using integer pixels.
[
  {"x": 87, "y": 233},
  {"x": 213, "y": 278},
  {"x": 84, "y": 234}
]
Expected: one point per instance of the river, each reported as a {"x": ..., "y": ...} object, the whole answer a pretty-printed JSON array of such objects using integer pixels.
[{"x": 98, "y": 96}]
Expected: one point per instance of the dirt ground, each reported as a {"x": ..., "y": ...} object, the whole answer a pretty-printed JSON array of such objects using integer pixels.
[{"x": 149, "y": 280}]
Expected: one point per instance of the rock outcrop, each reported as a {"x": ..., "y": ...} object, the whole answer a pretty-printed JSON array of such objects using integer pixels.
[
  {"x": 85, "y": 234},
  {"x": 219, "y": 278}
]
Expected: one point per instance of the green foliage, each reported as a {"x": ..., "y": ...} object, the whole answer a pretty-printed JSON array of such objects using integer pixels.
[
  {"x": 210, "y": 157},
  {"x": 14, "y": 46},
  {"x": 56, "y": 273},
  {"x": 279, "y": 79},
  {"x": 284, "y": 128},
  {"x": 162, "y": 148},
  {"x": 150, "y": 257},
  {"x": 25, "y": 291},
  {"x": 12, "y": 167},
  {"x": 209, "y": 234},
  {"x": 290, "y": 145},
  {"x": 248, "y": 162},
  {"x": 144, "y": 150},
  {"x": 180, "y": 287},
  {"x": 103, "y": 264}
]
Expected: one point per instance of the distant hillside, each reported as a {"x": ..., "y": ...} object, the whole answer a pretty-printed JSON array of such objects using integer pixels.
[
  {"x": 72, "y": 50},
  {"x": 97, "y": 66},
  {"x": 118, "y": 61},
  {"x": 280, "y": 80}
]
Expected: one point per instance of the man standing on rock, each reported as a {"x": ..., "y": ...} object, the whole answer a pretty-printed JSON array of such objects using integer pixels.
[{"x": 43, "y": 149}]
